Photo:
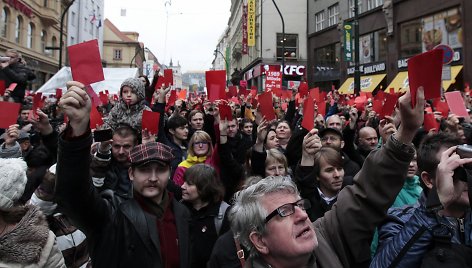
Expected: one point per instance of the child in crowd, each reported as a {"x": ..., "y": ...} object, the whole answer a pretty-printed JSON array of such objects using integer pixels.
[{"x": 129, "y": 109}]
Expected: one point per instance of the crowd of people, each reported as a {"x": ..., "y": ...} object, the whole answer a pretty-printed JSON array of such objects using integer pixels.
[{"x": 357, "y": 190}]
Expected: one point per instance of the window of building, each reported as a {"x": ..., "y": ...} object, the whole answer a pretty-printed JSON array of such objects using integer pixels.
[
  {"x": 54, "y": 44},
  {"x": 117, "y": 54},
  {"x": 18, "y": 26},
  {"x": 91, "y": 28},
  {"x": 4, "y": 22},
  {"x": 319, "y": 21},
  {"x": 328, "y": 56},
  {"x": 72, "y": 40},
  {"x": 46, "y": 3},
  {"x": 72, "y": 18},
  {"x": 371, "y": 4},
  {"x": 333, "y": 15},
  {"x": 85, "y": 24},
  {"x": 373, "y": 47},
  {"x": 351, "y": 7},
  {"x": 30, "y": 40},
  {"x": 291, "y": 46},
  {"x": 44, "y": 38}
]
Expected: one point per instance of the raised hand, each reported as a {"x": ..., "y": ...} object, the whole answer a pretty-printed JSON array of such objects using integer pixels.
[
  {"x": 387, "y": 128},
  {"x": 76, "y": 105},
  {"x": 411, "y": 118},
  {"x": 42, "y": 124}
]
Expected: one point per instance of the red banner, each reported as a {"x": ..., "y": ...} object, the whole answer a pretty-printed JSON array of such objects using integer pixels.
[
  {"x": 273, "y": 78},
  {"x": 244, "y": 50}
]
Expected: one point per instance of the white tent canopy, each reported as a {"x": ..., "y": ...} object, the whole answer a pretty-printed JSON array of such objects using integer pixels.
[{"x": 113, "y": 79}]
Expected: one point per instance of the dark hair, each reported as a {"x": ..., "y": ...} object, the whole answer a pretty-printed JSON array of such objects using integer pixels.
[
  {"x": 26, "y": 107},
  {"x": 176, "y": 121},
  {"x": 206, "y": 179},
  {"x": 243, "y": 122},
  {"x": 124, "y": 130},
  {"x": 429, "y": 147},
  {"x": 39, "y": 156},
  {"x": 147, "y": 80},
  {"x": 330, "y": 155}
]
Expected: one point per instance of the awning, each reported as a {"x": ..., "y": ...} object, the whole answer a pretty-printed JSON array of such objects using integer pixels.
[
  {"x": 344, "y": 89},
  {"x": 455, "y": 70},
  {"x": 368, "y": 84},
  {"x": 399, "y": 83}
]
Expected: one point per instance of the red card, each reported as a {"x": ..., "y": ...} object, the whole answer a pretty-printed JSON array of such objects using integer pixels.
[
  {"x": 303, "y": 89},
  {"x": 235, "y": 100},
  {"x": 150, "y": 121},
  {"x": 426, "y": 70},
  {"x": 169, "y": 77},
  {"x": 93, "y": 96},
  {"x": 160, "y": 82},
  {"x": 285, "y": 106},
  {"x": 380, "y": 95},
  {"x": 243, "y": 91},
  {"x": 216, "y": 83},
  {"x": 8, "y": 113},
  {"x": 103, "y": 98},
  {"x": 2, "y": 87},
  {"x": 58, "y": 93},
  {"x": 389, "y": 105},
  {"x": 321, "y": 107},
  {"x": 85, "y": 62},
  {"x": 95, "y": 118},
  {"x": 37, "y": 101},
  {"x": 233, "y": 91},
  {"x": 441, "y": 106},
  {"x": 430, "y": 122},
  {"x": 225, "y": 112},
  {"x": 456, "y": 103},
  {"x": 172, "y": 98},
  {"x": 377, "y": 106},
  {"x": 182, "y": 94},
  {"x": 315, "y": 93},
  {"x": 12, "y": 86},
  {"x": 266, "y": 106},
  {"x": 286, "y": 94},
  {"x": 308, "y": 121},
  {"x": 391, "y": 90},
  {"x": 360, "y": 102}
]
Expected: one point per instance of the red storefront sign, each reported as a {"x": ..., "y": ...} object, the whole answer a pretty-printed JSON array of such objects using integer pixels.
[
  {"x": 273, "y": 77},
  {"x": 18, "y": 5},
  {"x": 244, "y": 48}
]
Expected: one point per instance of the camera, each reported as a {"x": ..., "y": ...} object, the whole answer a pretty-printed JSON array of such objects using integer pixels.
[
  {"x": 4, "y": 59},
  {"x": 461, "y": 173}
]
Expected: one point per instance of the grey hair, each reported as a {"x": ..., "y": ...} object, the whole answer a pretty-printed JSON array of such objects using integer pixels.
[{"x": 247, "y": 214}]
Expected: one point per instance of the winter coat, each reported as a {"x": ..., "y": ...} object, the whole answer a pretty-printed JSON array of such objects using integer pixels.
[
  {"x": 344, "y": 233},
  {"x": 123, "y": 113},
  {"x": 17, "y": 73},
  {"x": 403, "y": 223},
  {"x": 120, "y": 232},
  {"x": 38, "y": 250}
]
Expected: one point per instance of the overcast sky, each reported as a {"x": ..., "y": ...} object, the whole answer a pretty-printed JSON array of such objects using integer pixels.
[{"x": 193, "y": 27}]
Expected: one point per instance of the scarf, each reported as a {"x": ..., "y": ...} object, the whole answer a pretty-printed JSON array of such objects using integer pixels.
[{"x": 192, "y": 160}]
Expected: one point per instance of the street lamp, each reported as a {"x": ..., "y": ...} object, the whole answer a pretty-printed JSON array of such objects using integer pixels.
[
  {"x": 283, "y": 40},
  {"x": 357, "y": 73},
  {"x": 61, "y": 37},
  {"x": 226, "y": 62}
]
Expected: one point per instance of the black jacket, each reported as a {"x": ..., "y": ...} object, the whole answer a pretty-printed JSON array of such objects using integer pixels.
[
  {"x": 20, "y": 74},
  {"x": 120, "y": 232}
]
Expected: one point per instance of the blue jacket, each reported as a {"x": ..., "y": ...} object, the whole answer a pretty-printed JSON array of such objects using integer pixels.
[{"x": 403, "y": 223}]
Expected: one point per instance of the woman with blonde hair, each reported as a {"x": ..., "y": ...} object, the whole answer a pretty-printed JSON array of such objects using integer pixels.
[{"x": 200, "y": 150}]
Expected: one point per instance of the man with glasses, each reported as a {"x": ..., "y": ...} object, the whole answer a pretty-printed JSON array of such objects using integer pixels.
[
  {"x": 270, "y": 219},
  {"x": 332, "y": 137}
]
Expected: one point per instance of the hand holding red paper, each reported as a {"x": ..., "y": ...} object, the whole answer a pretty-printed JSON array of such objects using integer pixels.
[{"x": 150, "y": 122}]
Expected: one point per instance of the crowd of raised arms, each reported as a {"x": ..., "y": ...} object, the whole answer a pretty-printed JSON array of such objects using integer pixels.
[{"x": 204, "y": 188}]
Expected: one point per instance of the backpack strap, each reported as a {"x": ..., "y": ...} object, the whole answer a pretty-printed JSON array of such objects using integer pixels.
[
  {"x": 407, "y": 247},
  {"x": 221, "y": 215},
  {"x": 239, "y": 251}
]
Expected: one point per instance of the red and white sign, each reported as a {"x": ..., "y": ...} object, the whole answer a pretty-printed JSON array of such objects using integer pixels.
[
  {"x": 273, "y": 77},
  {"x": 244, "y": 48},
  {"x": 448, "y": 55}
]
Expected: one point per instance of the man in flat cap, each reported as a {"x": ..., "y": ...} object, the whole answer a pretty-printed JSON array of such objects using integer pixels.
[{"x": 149, "y": 230}]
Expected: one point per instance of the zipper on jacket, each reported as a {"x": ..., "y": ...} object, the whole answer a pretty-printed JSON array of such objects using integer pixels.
[{"x": 461, "y": 229}]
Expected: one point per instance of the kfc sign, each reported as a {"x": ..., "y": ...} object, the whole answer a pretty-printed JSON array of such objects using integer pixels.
[{"x": 294, "y": 70}]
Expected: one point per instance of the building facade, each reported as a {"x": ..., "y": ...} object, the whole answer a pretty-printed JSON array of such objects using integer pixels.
[
  {"x": 247, "y": 60},
  {"x": 176, "y": 73},
  {"x": 32, "y": 27},
  {"x": 122, "y": 49},
  {"x": 390, "y": 32},
  {"x": 85, "y": 22}
]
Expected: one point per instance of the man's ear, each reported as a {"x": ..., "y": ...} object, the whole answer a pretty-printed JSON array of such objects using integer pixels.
[
  {"x": 427, "y": 179},
  {"x": 130, "y": 174},
  {"x": 342, "y": 144},
  {"x": 258, "y": 241}
]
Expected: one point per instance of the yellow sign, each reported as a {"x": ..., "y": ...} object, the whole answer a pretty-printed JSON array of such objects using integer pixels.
[{"x": 251, "y": 23}]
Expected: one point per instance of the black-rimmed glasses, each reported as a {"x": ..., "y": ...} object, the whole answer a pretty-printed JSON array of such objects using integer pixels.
[{"x": 288, "y": 209}]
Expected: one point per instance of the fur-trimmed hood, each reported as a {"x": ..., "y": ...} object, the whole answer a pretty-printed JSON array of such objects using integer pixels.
[{"x": 29, "y": 243}]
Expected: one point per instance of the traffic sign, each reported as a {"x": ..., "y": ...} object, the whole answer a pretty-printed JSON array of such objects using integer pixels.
[{"x": 448, "y": 53}]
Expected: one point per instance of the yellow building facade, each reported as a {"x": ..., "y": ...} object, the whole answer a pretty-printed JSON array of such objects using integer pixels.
[{"x": 30, "y": 26}]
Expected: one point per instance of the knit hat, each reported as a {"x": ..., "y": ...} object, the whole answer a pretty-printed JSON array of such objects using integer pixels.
[
  {"x": 136, "y": 85},
  {"x": 12, "y": 181}
]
